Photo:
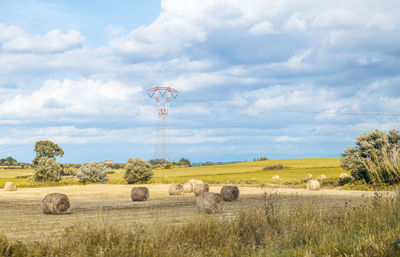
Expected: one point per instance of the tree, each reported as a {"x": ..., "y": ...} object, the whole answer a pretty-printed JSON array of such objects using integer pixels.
[
  {"x": 48, "y": 169},
  {"x": 94, "y": 172},
  {"x": 11, "y": 160},
  {"x": 137, "y": 171},
  {"x": 183, "y": 161},
  {"x": 373, "y": 156},
  {"x": 46, "y": 148},
  {"x": 8, "y": 161}
]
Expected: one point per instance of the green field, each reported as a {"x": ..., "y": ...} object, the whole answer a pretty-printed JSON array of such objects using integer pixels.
[{"x": 239, "y": 173}]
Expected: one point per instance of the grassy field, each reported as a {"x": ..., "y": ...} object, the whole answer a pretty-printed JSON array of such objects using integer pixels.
[{"x": 239, "y": 173}]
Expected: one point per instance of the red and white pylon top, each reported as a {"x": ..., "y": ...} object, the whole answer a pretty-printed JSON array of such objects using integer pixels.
[{"x": 162, "y": 97}]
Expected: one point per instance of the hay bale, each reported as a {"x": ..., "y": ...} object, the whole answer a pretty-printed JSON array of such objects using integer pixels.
[
  {"x": 313, "y": 185},
  {"x": 344, "y": 175},
  {"x": 10, "y": 186},
  {"x": 175, "y": 189},
  {"x": 55, "y": 203},
  {"x": 230, "y": 193},
  {"x": 140, "y": 194},
  {"x": 308, "y": 176},
  {"x": 188, "y": 187},
  {"x": 321, "y": 177},
  {"x": 209, "y": 202},
  {"x": 195, "y": 182},
  {"x": 275, "y": 177},
  {"x": 200, "y": 188}
]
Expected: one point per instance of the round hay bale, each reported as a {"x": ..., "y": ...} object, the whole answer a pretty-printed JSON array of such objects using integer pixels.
[
  {"x": 313, "y": 185},
  {"x": 275, "y": 177},
  {"x": 195, "y": 182},
  {"x": 175, "y": 189},
  {"x": 321, "y": 177},
  {"x": 55, "y": 203},
  {"x": 308, "y": 176},
  {"x": 140, "y": 194},
  {"x": 230, "y": 193},
  {"x": 10, "y": 186},
  {"x": 344, "y": 175},
  {"x": 200, "y": 188},
  {"x": 209, "y": 202},
  {"x": 188, "y": 187}
]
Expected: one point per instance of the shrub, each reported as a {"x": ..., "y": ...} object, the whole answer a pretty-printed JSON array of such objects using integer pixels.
[
  {"x": 68, "y": 171},
  {"x": 48, "y": 170},
  {"x": 375, "y": 158},
  {"x": 332, "y": 182},
  {"x": 344, "y": 181},
  {"x": 167, "y": 166},
  {"x": 274, "y": 167},
  {"x": 158, "y": 162},
  {"x": 137, "y": 171},
  {"x": 94, "y": 172}
]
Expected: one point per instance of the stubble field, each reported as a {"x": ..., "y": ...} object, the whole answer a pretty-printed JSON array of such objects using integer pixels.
[{"x": 22, "y": 218}]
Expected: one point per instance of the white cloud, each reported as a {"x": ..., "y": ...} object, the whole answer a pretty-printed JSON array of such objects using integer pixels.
[
  {"x": 69, "y": 97},
  {"x": 354, "y": 15},
  {"x": 302, "y": 98},
  {"x": 168, "y": 35},
  {"x": 197, "y": 80},
  {"x": 262, "y": 28},
  {"x": 52, "y": 41},
  {"x": 296, "y": 61},
  {"x": 9, "y": 32},
  {"x": 181, "y": 24},
  {"x": 288, "y": 139},
  {"x": 296, "y": 23}
]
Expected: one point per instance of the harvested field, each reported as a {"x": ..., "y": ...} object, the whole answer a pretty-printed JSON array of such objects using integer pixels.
[{"x": 22, "y": 217}]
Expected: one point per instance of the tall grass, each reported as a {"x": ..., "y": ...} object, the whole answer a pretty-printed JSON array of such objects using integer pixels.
[
  {"x": 384, "y": 168},
  {"x": 367, "y": 229}
]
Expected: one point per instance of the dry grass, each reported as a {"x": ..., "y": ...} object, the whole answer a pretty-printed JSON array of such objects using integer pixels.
[{"x": 261, "y": 225}]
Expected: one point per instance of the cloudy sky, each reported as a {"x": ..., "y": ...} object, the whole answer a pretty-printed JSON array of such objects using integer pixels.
[{"x": 282, "y": 79}]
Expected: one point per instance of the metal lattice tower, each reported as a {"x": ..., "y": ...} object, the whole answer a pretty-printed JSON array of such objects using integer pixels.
[{"x": 162, "y": 96}]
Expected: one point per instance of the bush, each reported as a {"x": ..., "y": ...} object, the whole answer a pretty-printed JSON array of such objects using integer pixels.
[
  {"x": 167, "y": 166},
  {"x": 68, "y": 171},
  {"x": 94, "y": 172},
  {"x": 375, "y": 158},
  {"x": 137, "y": 171},
  {"x": 48, "y": 170},
  {"x": 330, "y": 182},
  {"x": 158, "y": 162},
  {"x": 274, "y": 167},
  {"x": 344, "y": 181}
]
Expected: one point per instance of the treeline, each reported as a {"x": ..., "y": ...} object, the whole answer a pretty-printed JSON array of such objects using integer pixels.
[{"x": 11, "y": 163}]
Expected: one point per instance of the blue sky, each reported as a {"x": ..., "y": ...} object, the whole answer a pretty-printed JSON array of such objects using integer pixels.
[{"x": 282, "y": 79}]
